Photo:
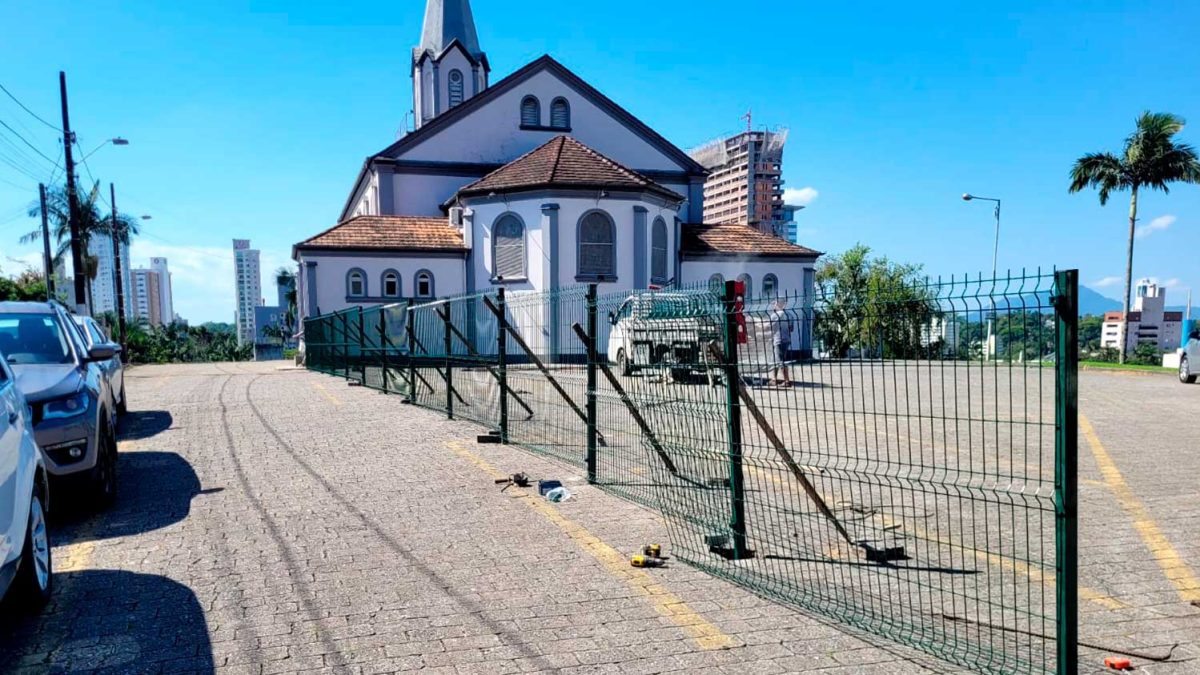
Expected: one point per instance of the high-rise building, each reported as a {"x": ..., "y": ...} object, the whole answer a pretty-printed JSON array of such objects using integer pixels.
[
  {"x": 1148, "y": 321},
  {"x": 745, "y": 183},
  {"x": 104, "y": 286},
  {"x": 167, "y": 308},
  {"x": 145, "y": 295},
  {"x": 248, "y": 285}
]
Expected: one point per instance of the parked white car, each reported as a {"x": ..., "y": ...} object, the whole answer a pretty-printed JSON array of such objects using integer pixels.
[
  {"x": 1189, "y": 360},
  {"x": 25, "y": 570}
]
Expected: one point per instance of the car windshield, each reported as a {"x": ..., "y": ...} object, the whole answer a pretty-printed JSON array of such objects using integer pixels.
[{"x": 32, "y": 339}]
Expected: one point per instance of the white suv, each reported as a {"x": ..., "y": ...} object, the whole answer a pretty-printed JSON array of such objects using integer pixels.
[
  {"x": 1189, "y": 360},
  {"x": 25, "y": 569}
]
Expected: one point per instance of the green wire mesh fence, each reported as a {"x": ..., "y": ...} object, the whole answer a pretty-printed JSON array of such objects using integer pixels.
[{"x": 899, "y": 457}]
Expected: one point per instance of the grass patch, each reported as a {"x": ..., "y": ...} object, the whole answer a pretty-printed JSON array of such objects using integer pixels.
[{"x": 1106, "y": 365}]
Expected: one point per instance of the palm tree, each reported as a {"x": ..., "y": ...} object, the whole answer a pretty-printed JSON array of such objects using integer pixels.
[
  {"x": 287, "y": 278},
  {"x": 92, "y": 223},
  {"x": 1151, "y": 159}
]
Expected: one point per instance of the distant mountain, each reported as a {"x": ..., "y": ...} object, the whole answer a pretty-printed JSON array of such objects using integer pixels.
[{"x": 1091, "y": 302}]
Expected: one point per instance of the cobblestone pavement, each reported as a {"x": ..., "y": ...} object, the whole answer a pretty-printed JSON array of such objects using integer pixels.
[{"x": 274, "y": 520}]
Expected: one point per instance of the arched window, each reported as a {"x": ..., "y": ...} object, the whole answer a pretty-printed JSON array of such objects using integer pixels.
[
  {"x": 423, "y": 284},
  {"x": 597, "y": 246},
  {"x": 531, "y": 112},
  {"x": 356, "y": 283},
  {"x": 508, "y": 248},
  {"x": 456, "y": 87},
  {"x": 658, "y": 252},
  {"x": 770, "y": 286},
  {"x": 560, "y": 113},
  {"x": 716, "y": 284},
  {"x": 747, "y": 285},
  {"x": 391, "y": 284}
]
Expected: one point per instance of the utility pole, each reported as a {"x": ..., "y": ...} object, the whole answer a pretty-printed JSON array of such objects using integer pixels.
[
  {"x": 72, "y": 200},
  {"x": 116, "y": 246},
  {"x": 47, "y": 261}
]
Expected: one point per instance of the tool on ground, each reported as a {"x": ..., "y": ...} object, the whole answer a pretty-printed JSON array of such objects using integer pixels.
[
  {"x": 492, "y": 436},
  {"x": 652, "y": 550},
  {"x": 518, "y": 479},
  {"x": 1118, "y": 663},
  {"x": 647, "y": 561},
  {"x": 545, "y": 486}
]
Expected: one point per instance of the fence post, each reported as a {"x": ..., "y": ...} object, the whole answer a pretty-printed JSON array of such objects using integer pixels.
[
  {"x": 345, "y": 347},
  {"x": 502, "y": 362},
  {"x": 412, "y": 351},
  {"x": 449, "y": 345},
  {"x": 383, "y": 356},
  {"x": 1066, "y": 460},
  {"x": 362, "y": 349},
  {"x": 737, "y": 481},
  {"x": 591, "y": 384}
]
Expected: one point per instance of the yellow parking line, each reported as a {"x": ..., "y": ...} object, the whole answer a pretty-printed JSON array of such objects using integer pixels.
[
  {"x": 77, "y": 556},
  {"x": 1172, "y": 564},
  {"x": 705, "y": 634},
  {"x": 325, "y": 392},
  {"x": 1032, "y": 573}
]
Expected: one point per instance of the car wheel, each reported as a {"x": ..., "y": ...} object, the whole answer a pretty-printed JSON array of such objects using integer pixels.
[
  {"x": 35, "y": 574},
  {"x": 122, "y": 407},
  {"x": 623, "y": 363},
  {"x": 104, "y": 476},
  {"x": 1186, "y": 375}
]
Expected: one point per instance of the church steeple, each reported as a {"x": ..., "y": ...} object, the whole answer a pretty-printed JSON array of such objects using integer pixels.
[{"x": 448, "y": 66}]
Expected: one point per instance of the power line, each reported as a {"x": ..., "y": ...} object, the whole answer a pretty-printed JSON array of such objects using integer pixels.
[
  {"x": 26, "y": 109},
  {"x": 31, "y": 145}
]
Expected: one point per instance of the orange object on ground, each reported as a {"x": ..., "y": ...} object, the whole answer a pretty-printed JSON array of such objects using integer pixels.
[{"x": 1118, "y": 663}]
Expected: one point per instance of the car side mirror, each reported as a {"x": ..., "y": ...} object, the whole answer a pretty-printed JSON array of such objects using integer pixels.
[{"x": 102, "y": 352}]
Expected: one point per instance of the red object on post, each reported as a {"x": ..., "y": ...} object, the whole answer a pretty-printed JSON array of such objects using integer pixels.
[{"x": 739, "y": 304}]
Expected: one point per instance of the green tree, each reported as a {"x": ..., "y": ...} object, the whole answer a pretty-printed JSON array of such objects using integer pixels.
[
  {"x": 287, "y": 279},
  {"x": 28, "y": 285},
  {"x": 92, "y": 223},
  {"x": 1090, "y": 329},
  {"x": 1151, "y": 159},
  {"x": 873, "y": 305}
]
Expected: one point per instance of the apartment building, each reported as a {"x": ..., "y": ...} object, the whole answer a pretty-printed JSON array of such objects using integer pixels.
[
  {"x": 248, "y": 286},
  {"x": 745, "y": 183}
]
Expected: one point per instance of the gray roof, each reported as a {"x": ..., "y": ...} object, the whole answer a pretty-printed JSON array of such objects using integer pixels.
[{"x": 445, "y": 22}]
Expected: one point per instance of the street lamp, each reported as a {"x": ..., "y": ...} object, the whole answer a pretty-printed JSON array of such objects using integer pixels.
[
  {"x": 115, "y": 141},
  {"x": 967, "y": 196}
]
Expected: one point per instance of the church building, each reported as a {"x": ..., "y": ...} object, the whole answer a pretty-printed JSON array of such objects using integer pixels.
[{"x": 533, "y": 182}]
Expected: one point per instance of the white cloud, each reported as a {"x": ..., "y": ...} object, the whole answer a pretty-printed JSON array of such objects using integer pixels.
[
  {"x": 1105, "y": 282},
  {"x": 800, "y": 196},
  {"x": 1156, "y": 225},
  {"x": 13, "y": 265}
]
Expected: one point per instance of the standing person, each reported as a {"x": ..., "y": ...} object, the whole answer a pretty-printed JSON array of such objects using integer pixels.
[{"x": 781, "y": 337}]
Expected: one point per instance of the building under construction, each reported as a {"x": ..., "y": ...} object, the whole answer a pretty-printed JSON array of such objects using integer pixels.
[{"x": 746, "y": 183}]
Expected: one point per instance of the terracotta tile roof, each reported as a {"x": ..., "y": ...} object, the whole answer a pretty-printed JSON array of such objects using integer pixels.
[
  {"x": 733, "y": 239},
  {"x": 417, "y": 233},
  {"x": 564, "y": 162}
]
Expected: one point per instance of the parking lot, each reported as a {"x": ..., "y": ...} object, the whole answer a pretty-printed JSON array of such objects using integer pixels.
[{"x": 274, "y": 520}]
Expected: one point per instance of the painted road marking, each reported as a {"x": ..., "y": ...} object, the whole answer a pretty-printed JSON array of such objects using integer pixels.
[
  {"x": 325, "y": 392},
  {"x": 77, "y": 556},
  {"x": 705, "y": 634},
  {"x": 1044, "y": 577},
  {"x": 1172, "y": 564}
]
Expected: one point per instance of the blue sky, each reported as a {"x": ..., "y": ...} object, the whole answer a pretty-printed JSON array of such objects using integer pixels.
[{"x": 252, "y": 119}]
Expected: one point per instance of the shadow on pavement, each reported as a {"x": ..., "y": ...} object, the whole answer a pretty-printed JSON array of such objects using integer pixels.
[
  {"x": 143, "y": 424},
  {"x": 109, "y": 621},
  {"x": 154, "y": 490}
]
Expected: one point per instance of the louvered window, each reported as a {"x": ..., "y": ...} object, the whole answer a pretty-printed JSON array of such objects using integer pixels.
[
  {"x": 456, "y": 87},
  {"x": 658, "y": 252},
  {"x": 716, "y": 284},
  {"x": 770, "y": 286},
  {"x": 531, "y": 112},
  {"x": 597, "y": 244},
  {"x": 508, "y": 253},
  {"x": 747, "y": 285},
  {"x": 560, "y": 114}
]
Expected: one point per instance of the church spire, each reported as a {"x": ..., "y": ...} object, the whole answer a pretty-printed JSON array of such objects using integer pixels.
[
  {"x": 443, "y": 77},
  {"x": 446, "y": 21}
]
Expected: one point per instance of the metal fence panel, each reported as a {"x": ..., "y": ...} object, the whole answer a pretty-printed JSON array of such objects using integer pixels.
[{"x": 902, "y": 460}]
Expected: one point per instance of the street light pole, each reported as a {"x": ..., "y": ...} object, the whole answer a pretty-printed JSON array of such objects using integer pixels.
[
  {"x": 995, "y": 256},
  {"x": 116, "y": 245}
]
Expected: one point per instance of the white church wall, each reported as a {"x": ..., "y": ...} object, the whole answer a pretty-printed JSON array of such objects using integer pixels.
[
  {"x": 791, "y": 273},
  {"x": 492, "y": 133},
  {"x": 423, "y": 194},
  {"x": 332, "y": 270},
  {"x": 454, "y": 60}
]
